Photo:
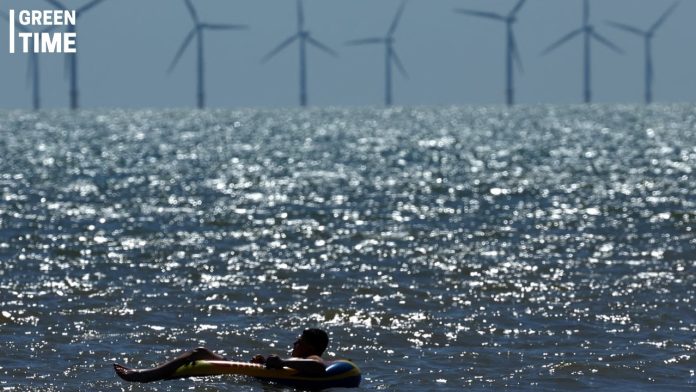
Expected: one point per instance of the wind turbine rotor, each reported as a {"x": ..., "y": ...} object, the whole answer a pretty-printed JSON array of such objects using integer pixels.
[
  {"x": 664, "y": 17},
  {"x": 517, "y": 8},
  {"x": 482, "y": 14},
  {"x": 221, "y": 26},
  {"x": 300, "y": 16},
  {"x": 321, "y": 46},
  {"x": 366, "y": 41},
  {"x": 192, "y": 11},
  {"x": 563, "y": 40},
  {"x": 182, "y": 48},
  {"x": 586, "y": 13},
  {"x": 280, "y": 47},
  {"x": 625, "y": 27},
  {"x": 606, "y": 42}
]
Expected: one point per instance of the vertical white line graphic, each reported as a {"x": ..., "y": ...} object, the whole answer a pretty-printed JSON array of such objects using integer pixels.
[{"x": 12, "y": 31}]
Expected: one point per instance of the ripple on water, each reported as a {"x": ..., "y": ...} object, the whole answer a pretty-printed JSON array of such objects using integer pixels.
[{"x": 535, "y": 247}]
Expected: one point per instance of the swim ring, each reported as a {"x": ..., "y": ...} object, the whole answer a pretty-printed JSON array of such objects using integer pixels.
[{"x": 339, "y": 374}]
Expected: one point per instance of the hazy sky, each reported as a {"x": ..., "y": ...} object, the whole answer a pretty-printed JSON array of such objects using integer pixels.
[{"x": 125, "y": 47}]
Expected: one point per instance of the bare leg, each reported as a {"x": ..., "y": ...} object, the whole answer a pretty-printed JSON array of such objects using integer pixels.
[{"x": 165, "y": 370}]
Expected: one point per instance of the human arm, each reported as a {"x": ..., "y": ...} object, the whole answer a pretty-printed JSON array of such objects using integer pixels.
[{"x": 310, "y": 366}]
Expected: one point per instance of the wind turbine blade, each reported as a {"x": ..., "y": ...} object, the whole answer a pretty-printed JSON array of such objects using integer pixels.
[
  {"x": 57, "y": 4},
  {"x": 300, "y": 15},
  {"x": 517, "y": 8},
  {"x": 664, "y": 16},
  {"x": 192, "y": 11},
  {"x": 586, "y": 13},
  {"x": 399, "y": 65},
  {"x": 87, "y": 6},
  {"x": 365, "y": 41},
  {"x": 182, "y": 48},
  {"x": 516, "y": 54},
  {"x": 563, "y": 40},
  {"x": 626, "y": 27},
  {"x": 321, "y": 46},
  {"x": 397, "y": 19},
  {"x": 482, "y": 14},
  {"x": 606, "y": 42},
  {"x": 279, "y": 48},
  {"x": 218, "y": 26}
]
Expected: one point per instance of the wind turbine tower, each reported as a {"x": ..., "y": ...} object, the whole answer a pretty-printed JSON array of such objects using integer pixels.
[
  {"x": 304, "y": 37},
  {"x": 72, "y": 57},
  {"x": 197, "y": 32},
  {"x": 647, "y": 36},
  {"x": 391, "y": 58},
  {"x": 511, "y": 51},
  {"x": 33, "y": 70},
  {"x": 589, "y": 33}
]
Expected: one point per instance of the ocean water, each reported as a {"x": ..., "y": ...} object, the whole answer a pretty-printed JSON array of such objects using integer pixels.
[{"x": 533, "y": 248}]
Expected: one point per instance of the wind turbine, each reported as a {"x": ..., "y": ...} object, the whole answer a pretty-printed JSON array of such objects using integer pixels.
[
  {"x": 390, "y": 57},
  {"x": 304, "y": 37},
  {"x": 589, "y": 33},
  {"x": 72, "y": 57},
  {"x": 512, "y": 54},
  {"x": 32, "y": 66},
  {"x": 197, "y": 32},
  {"x": 647, "y": 36}
]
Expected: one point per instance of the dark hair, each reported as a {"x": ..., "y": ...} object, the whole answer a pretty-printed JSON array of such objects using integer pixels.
[{"x": 317, "y": 338}]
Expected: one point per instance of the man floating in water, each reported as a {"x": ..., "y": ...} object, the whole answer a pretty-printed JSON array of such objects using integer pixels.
[{"x": 305, "y": 358}]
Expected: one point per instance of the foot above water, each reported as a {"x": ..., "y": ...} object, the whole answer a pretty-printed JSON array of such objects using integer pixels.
[{"x": 129, "y": 374}]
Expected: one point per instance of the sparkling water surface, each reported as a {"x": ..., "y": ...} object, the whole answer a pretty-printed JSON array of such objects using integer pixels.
[{"x": 534, "y": 248}]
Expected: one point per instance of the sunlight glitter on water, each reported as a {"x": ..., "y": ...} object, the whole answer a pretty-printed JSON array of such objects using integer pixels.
[{"x": 538, "y": 247}]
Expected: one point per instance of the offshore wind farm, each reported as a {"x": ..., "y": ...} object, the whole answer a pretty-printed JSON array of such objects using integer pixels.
[
  {"x": 303, "y": 38},
  {"x": 391, "y": 58},
  {"x": 197, "y": 33},
  {"x": 512, "y": 53},
  {"x": 588, "y": 34},
  {"x": 33, "y": 68},
  {"x": 446, "y": 66},
  {"x": 647, "y": 36},
  {"x": 71, "y": 59}
]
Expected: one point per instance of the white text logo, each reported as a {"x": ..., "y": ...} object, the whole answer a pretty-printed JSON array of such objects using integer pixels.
[{"x": 24, "y": 40}]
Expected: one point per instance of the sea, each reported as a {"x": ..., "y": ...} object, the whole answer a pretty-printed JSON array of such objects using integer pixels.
[{"x": 538, "y": 248}]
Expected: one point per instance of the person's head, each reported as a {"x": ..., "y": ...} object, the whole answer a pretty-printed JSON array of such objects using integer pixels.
[{"x": 313, "y": 341}]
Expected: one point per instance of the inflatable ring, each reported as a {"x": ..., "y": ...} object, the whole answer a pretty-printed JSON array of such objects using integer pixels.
[{"x": 339, "y": 374}]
